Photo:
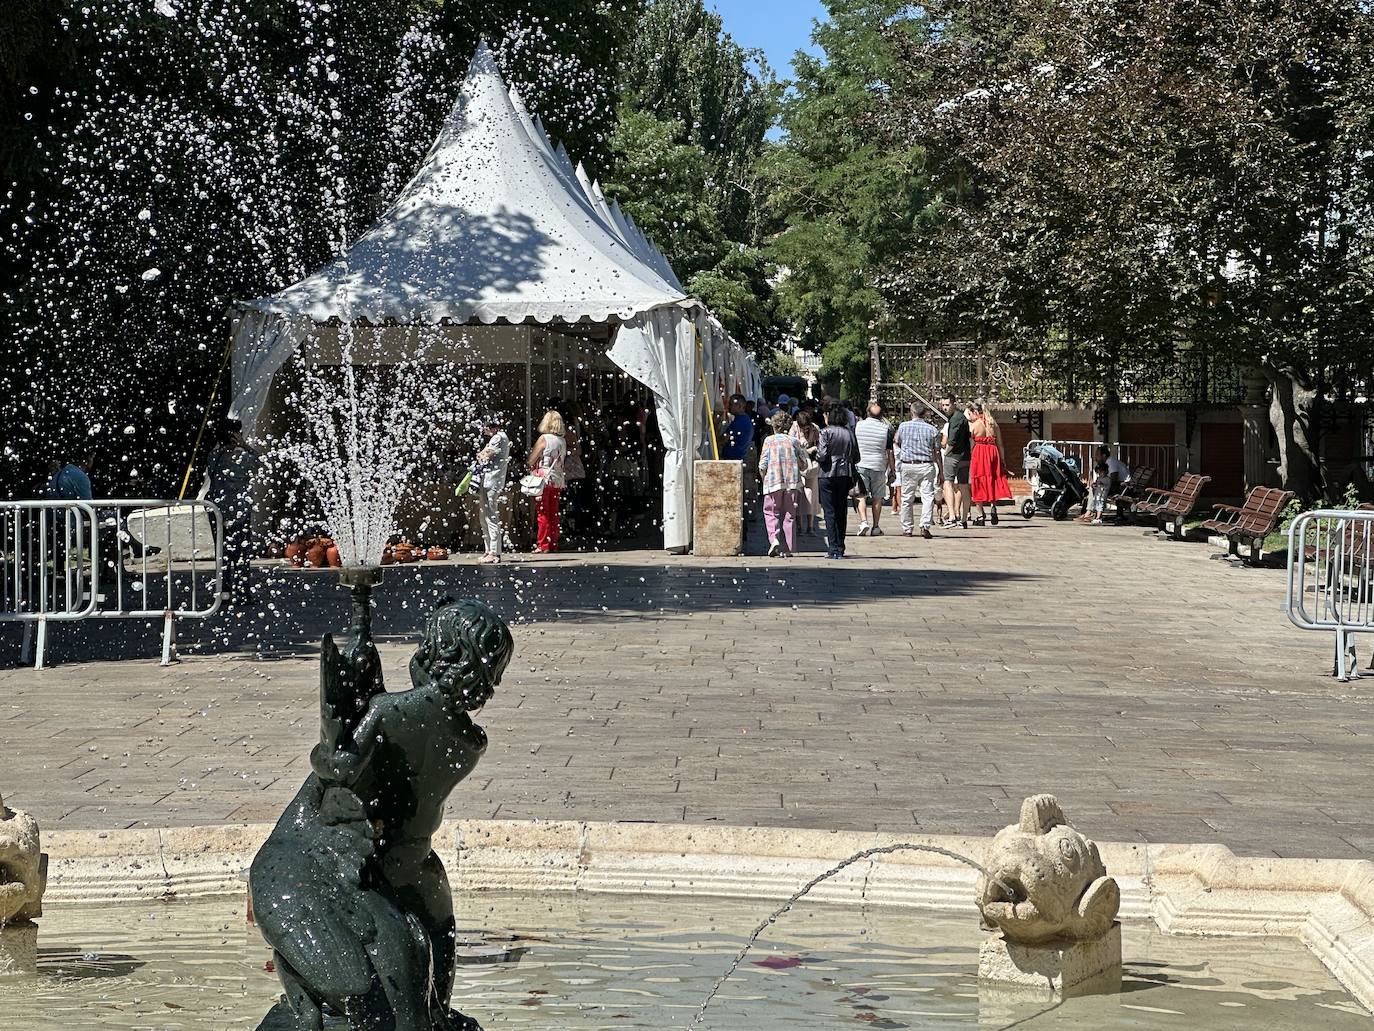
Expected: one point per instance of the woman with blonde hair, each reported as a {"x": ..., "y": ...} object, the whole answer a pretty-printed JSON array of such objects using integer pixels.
[
  {"x": 987, "y": 470},
  {"x": 546, "y": 461}
]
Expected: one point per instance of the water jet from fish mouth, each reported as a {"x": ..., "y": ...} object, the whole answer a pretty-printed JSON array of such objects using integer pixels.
[{"x": 857, "y": 857}]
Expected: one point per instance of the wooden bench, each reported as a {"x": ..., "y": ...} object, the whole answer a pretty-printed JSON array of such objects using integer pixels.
[
  {"x": 1133, "y": 491},
  {"x": 1252, "y": 521},
  {"x": 1177, "y": 504}
]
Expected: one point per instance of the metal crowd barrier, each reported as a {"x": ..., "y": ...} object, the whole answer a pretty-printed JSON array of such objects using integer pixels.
[
  {"x": 1169, "y": 461},
  {"x": 1329, "y": 581},
  {"x": 67, "y": 561}
]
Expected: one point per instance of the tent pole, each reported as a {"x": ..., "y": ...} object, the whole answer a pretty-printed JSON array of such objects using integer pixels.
[
  {"x": 529, "y": 392},
  {"x": 706, "y": 396},
  {"x": 209, "y": 407}
]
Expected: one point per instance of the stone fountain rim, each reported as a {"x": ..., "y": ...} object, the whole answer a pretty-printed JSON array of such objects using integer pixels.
[{"x": 1186, "y": 889}]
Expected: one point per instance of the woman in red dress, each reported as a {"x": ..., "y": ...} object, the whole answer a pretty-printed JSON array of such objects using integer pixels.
[{"x": 987, "y": 472}]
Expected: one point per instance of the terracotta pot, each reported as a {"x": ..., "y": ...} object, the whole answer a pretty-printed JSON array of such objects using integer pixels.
[
  {"x": 295, "y": 551},
  {"x": 297, "y": 560},
  {"x": 437, "y": 554},
  {"x": 388, "y": 557},
  {"x": 333, "y": 557},
  {"x": 276, "y": 550},
  {"x": 317, "y": 555}
]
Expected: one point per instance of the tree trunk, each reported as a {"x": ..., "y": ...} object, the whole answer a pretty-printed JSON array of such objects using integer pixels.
[{"x": 1291, "y": 415}]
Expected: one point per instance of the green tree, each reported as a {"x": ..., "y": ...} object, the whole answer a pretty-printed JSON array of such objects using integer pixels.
[
  {"x": 846, "y": 201},
  {"x": 1125, "y": 184},
  {"x": 694, "y": 112},
  {"x": 170, "y": 156}
]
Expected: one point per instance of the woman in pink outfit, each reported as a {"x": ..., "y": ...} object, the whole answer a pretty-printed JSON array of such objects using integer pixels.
[{"x": 781, "y": 460}]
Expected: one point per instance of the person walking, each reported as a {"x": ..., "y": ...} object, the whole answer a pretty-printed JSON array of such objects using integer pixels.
[
  {"x": 874, "y": 435},
  {"x": 987, "y": 468},
  {"x": 546, "y": 461},
  {"x": 838, "y": 457},
  {"x": 917, "y": 446},
  {"x": 737, "y": 433},
  {"x": 805, "y": 431},
  {"x": 489, "y": 479},
  {"x": 958, "y": 447},
  {"x": 780, "y": 468}
]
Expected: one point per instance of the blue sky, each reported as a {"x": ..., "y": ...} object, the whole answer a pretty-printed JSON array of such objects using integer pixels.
[{"x": 777, "y": 27}]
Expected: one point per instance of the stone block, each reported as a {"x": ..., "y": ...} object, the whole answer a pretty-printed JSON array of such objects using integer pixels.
[
  {"x": 18, "y": 949},
  {"x": 718, "y": 509},
  {"x": 1065, "y": 968}
]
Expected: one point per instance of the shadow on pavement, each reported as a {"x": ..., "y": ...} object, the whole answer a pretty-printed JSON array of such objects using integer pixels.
[{"x": 292, "y": 610}]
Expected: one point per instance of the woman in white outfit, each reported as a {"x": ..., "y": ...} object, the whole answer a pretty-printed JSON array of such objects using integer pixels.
[{"x": 489, "y": 478}]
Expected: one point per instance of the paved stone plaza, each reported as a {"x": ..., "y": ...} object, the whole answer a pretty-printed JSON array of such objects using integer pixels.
[{"x": 918, "y": 686}]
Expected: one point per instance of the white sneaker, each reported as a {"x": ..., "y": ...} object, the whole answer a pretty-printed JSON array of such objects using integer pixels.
[
  {"x": 1097, "y": 522},
  {"x": 864, "y": 529}
]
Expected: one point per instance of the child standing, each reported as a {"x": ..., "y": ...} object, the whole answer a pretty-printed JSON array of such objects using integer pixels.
[{"x": 1101, "y": 487}]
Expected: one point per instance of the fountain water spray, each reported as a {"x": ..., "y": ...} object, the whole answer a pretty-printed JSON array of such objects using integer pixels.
[{"x": 365, "y": 433}]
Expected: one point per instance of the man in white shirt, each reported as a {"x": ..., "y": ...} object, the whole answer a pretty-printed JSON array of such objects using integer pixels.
[{"x": 1118, "y": 470}]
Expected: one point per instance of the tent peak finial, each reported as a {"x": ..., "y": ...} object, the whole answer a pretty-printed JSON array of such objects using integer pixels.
[{"x": 483, "y": 61}]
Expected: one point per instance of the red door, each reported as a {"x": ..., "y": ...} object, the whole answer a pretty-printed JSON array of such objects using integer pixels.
[
  {"x": 1223, "y": 458},
  {"x": 1015, "y": 437}
]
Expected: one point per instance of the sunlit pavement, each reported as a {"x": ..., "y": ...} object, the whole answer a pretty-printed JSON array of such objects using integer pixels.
[{"x": 916, "y": 686}]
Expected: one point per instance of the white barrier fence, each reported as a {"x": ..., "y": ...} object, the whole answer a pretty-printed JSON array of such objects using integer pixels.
[
  {"x": 1329, "y": 582},
  {"x": 68, "y": 561},
  {"x": 1169, "y": 461}
]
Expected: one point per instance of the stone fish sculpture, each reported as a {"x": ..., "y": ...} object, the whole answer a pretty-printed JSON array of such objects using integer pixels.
[
  {"x": 348, "y": 890},
  {"x": 1045, "y": 882},
  {"x": 23, "y": 868}
]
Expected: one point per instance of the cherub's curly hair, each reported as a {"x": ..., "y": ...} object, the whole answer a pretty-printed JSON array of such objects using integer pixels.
[{"x": 467, "y": 642}]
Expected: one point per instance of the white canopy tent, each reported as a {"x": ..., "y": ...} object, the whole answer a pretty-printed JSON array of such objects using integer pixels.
[{"x": 499, "y": 228}]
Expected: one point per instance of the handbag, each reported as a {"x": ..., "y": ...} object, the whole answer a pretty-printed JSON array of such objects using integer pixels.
[{"x": 532, "y": 485}]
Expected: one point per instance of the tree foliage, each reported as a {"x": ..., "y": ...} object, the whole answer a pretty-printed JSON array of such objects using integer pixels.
[
  {"x": 846, "y": 200},
  {"x": 1143, "y": 177},
  {"x": 695, "y": 110},
  {"x": 168, "y": 157}
]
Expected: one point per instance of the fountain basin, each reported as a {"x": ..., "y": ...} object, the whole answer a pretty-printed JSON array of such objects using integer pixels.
[
  {"x": 585, "y": 961},
  {"x": 1325, "y": 907}
]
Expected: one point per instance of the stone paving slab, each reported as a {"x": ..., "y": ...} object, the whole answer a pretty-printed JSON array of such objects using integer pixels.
[{"x": 917, "y": 686}]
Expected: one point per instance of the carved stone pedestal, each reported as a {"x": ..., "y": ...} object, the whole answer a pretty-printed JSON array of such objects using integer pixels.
[
  {"x": 1066, "y": 968},
  {"x": 18, "y": 949},
  {"x": 718, "y": 509}
]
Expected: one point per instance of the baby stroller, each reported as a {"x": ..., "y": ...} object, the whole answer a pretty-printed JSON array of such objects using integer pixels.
[{"x": 1055, "y": 480}]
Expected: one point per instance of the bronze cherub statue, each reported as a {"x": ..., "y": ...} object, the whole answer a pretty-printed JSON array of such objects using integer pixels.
[{"x": 348, "y": 890}]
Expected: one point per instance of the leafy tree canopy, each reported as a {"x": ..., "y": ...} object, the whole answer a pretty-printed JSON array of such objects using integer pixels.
[{"x": 845, "y": 199}]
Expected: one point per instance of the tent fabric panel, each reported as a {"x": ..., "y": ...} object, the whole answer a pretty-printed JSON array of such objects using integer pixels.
[
  {"x": 659, "y": 350},
  {"x": 263, "y": 343}
]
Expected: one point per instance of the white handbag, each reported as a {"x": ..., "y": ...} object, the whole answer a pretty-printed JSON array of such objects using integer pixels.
[{"x": 532, "y": 485}]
